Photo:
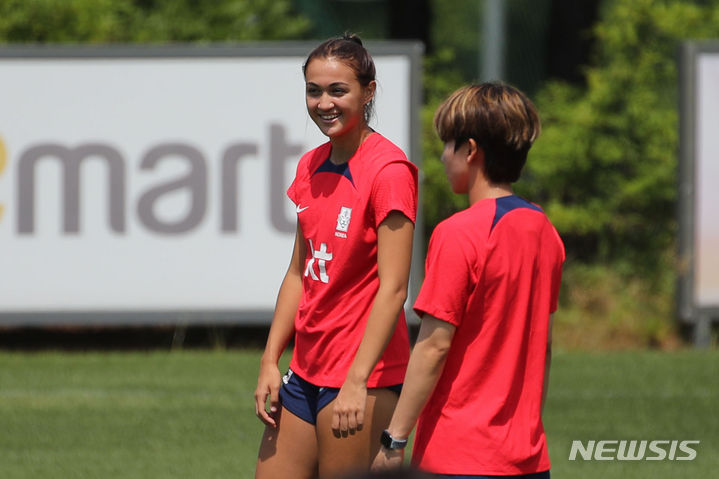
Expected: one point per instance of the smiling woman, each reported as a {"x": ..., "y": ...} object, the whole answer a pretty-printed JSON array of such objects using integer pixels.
[
  {"x": 343, "y": 294},
  {"x": 340, "y": 91}
]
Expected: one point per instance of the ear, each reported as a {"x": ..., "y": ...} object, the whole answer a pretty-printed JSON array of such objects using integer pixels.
[
  {"x": 369, "y": 91},
  {"x": 475, "y": 154}
]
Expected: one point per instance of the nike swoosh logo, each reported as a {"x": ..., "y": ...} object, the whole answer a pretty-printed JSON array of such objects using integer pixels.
[{"x": 300, "y": 210}]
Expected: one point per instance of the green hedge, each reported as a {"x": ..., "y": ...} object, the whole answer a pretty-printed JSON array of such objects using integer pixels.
[
  {"x": 131, "y": 21},
  {"x": 605, "y": 166}
]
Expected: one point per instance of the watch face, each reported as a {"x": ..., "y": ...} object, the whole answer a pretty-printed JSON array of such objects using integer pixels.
[
  {"x": 386, "y": 440},
  {"x": 390, "y": 443}
]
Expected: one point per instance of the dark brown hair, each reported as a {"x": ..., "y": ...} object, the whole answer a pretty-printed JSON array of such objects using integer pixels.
[{"x": 499, "y": 117}]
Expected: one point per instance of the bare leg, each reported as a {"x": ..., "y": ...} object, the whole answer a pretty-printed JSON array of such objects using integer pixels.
[
  {"x": 338, "y": 455},
  {"x": 288, "y": 451}
]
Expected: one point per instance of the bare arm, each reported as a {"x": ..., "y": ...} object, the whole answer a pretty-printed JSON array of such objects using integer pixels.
[
  {"x": 424, "y": 370},
  {"x": 283, "y": 326},
  {"x": 394, "y": 254}
]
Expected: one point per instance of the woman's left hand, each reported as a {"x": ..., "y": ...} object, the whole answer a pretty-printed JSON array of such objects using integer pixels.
[
  {"x": 387, "y": 459},
  {"x": 349, "y": 408}
]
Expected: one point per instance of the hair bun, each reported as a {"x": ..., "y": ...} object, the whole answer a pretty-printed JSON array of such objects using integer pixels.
[{"x": 351, "y": 37}]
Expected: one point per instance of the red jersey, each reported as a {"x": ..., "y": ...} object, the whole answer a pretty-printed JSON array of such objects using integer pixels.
[
  {"x": 493, "y": 271},
  {"x": 339, "y": 208}
]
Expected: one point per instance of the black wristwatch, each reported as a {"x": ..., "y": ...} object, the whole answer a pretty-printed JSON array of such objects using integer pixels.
[{"x": 391, "y": 443}]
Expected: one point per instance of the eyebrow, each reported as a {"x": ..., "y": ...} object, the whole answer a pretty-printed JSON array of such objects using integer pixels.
[{"x": 339, "y": 83}]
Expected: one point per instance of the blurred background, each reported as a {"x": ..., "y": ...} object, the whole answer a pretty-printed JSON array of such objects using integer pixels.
[
  {"x": 603, "y": 74},
  {"x": 607, "y": 79}
]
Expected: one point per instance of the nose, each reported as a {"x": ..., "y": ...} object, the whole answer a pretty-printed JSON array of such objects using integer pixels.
[
  {"x": 447, "y": 152},
  {"x": 325, "y": 102}
]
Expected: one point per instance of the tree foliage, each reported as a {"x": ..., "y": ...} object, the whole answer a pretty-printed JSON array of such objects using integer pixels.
[
  {"x": 438, "y": 202},
  {"x": 138, "y": 21},
  {"x": 605, "y": 166}
]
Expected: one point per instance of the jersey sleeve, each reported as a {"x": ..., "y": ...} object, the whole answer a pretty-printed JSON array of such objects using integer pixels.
[
  {"x": 448, "y": 278},
  {"x": 557, "y": 272},
  {"x": 292, "y": 190},
  {"x": 394, "y": 189},
  {"x": 291, "y": 193}
]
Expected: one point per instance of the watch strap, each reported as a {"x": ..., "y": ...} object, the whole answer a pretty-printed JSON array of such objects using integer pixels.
[{"x": 390, "y": 442}]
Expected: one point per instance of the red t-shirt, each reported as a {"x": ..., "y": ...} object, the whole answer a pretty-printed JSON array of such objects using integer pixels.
[
  {"x": 339, "y": 208},
  {"x": 493, "y": 271}
]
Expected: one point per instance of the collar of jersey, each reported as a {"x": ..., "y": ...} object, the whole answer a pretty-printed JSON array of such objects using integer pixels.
[{"x": 342, "y": 169}]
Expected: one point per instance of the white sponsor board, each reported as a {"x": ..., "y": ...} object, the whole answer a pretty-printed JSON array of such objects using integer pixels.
[
  {"x": 706, "y": 278},
  {"x": 150, "y": 182},
  {"x": 698, "y": 264}
]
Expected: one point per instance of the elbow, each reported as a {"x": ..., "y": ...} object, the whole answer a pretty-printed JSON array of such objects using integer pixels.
[
  {"x": 442, "y": 349},
  {"x": 401, "y": 296},
  {"x": 435, "y": 339},
  {"x": 434, "y": 356},
  {"x": 396, "y": 293},
  {"x": 436, "y": 349},
  {"x": 439, "y": 354}
]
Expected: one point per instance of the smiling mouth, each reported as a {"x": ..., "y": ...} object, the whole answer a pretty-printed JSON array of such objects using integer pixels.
[{"x": 329, "y": 117}]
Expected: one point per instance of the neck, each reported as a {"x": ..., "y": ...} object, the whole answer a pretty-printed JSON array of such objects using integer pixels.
[
  {"x": 345, "y": 146},
  {"x": 480, "y": 189}
]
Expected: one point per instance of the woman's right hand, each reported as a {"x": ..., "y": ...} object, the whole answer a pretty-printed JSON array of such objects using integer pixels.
[
  {"x": 283, "y": 327},
  {"x": 268, "y": 386}
]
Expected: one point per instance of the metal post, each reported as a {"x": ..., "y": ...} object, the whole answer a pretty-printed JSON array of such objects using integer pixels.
[
  {"x": 702, "y": 331},
  {"x": 492, "y": 37}
]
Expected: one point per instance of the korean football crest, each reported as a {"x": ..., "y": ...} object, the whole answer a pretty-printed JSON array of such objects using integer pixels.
[{"x": 343, "y": 221}]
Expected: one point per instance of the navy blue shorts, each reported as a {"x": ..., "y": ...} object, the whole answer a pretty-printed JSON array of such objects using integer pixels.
[
  {"x": 305, "y": 400},
  {"x": 538, "y": 475}
]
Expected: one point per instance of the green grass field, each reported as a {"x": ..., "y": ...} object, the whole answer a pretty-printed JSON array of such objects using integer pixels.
[{"x": 191, "y": 414}]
